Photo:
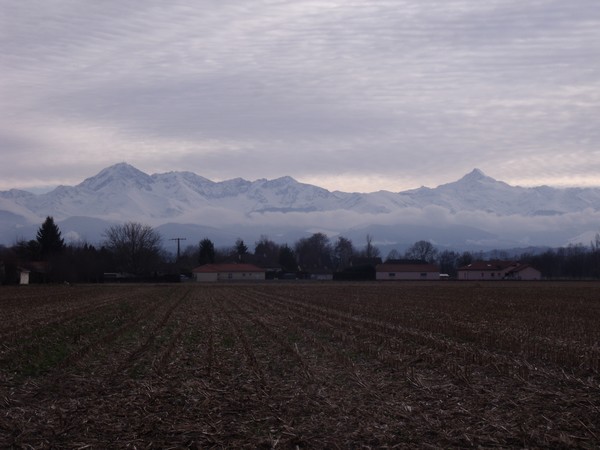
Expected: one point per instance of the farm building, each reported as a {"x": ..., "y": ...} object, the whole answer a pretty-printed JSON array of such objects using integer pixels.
[
  {"x": 23, "y": 276},
  {"x": 228, "y": 272},
  {"x": 524, "y": 272},
  {"x": 414, "y": 271},
  {"x": 498, "y": 270}
]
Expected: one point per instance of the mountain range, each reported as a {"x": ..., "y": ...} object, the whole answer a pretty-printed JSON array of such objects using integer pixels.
[{"x": 474, "y": 212}]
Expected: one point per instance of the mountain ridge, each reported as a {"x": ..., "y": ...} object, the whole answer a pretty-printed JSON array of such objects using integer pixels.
[{"x": 121, "y": 192}]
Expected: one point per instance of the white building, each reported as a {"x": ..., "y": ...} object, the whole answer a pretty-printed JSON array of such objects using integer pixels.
[
  {"x": 407, "y": 272},
  {"x": 498, "y": 270},
  {"x": 24, "y": 276},
  {"x": 228, "y": 272}
]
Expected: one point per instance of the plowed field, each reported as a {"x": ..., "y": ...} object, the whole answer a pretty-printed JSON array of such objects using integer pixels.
[{"x": 300, "y": 365}]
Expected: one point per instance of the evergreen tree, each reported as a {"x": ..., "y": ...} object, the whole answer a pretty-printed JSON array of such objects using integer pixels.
[
  {"x": 206, "y": 253},
  {"x": 241, "y": 250},
  {"x": 49, "y": 238}
]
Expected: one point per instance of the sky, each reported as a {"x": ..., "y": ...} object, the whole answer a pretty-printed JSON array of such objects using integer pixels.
[{"x": 350, "y": 95}]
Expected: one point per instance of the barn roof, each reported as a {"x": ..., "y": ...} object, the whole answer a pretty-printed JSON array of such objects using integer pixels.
[{"x": 219, "y": 268}]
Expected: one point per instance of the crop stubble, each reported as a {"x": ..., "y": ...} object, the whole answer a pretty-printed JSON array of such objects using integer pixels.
[{"x": 310, "y": 365}]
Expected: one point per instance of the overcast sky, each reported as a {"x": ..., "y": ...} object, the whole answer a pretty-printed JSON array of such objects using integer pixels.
[{"x": 353, "y": 95}]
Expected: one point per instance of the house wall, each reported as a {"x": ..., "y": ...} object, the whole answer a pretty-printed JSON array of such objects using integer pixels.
[
  {"x": 529, "y": 273},
  {"x": 241, "y": 276},
  {"x": 229, "y": 276},
  {"x": 206, "y": 276},
  {"x": 391, "y": 276},
  {"x": 322, "y": 276},
  {"x": 481, "y": 274},
  {"x": 24, "y": 278}
]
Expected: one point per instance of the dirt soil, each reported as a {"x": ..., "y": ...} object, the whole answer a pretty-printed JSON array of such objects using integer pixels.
[{"x": 301, "y": 365}]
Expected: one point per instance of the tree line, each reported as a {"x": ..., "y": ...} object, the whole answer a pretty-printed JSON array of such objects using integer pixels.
[{"x": 135, "y": 251}]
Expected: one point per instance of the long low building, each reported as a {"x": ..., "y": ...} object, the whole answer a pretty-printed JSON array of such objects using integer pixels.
[
  {"x": 407, "y": 272},
  {"x": 498, "y": 270},
  {"x": 228, "y": 272}
]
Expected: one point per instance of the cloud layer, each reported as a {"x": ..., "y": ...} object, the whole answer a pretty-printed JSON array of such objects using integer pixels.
[{"x": 350, "y": 95}]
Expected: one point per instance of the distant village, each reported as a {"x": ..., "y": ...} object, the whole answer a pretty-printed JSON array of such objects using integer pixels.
[{"x": 134, "y": 252}]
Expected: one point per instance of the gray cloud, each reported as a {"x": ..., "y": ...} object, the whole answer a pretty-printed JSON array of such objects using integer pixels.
[{"x": 358, "y": 95}]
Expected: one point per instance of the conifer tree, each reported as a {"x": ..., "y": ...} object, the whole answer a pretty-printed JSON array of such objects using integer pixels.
[
  {"x": 241, "y": 250},
  {"x": 206, "y": 253},
  {"x": 49, "y": 238}
]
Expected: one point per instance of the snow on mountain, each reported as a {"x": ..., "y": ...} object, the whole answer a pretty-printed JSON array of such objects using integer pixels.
[
  {"x": 478, "y": 192},
  {"x": 501, "y": 213},
  {"x": 13, "y": 204},
  {"x": 119, "y": 176}
]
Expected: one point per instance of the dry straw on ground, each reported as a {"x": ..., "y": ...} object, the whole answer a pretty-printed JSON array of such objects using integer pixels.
[{"x": 286, "y": 365}]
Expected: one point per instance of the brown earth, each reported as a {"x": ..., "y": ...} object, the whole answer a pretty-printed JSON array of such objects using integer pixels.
[{"x": 301, "y": 365}]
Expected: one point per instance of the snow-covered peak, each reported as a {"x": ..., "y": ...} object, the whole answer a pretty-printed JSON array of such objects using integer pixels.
[
  {"x": 476, "y": 176},
  {"x": 184, "y": 175},
  {"x": 16, "y": 194},
  {"x": 122, "y": 192},
  {"x": 281, "y": 181},
  {"x": 190, "y": 179},
  {"x": 477, "y": 172},
  {"x": 117, "y": 176},
  {"x": 231, "y": 188},
  {"x": 476, "y": 182}
]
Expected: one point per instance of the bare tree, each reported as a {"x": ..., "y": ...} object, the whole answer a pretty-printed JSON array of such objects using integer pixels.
[
  {"x": 393, "y": 254},
  {"x": 370, "y": 250},
  {"x": 343, "y": 251},
  {"x": 135, "y": 246},
  {"x": 422, "y": 250},
  {"x": 448, "y": 260},
  {"x": 314, "y": 253},
  {"x": 266, "y": 252},
  {"x": 464, "y": 259},
  {"x": 595, "y": 244},
  {"x": 287, "y": 259}
]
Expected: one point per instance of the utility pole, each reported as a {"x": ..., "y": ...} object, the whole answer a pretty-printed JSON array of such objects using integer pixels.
[{"x": 178, "y": 239}]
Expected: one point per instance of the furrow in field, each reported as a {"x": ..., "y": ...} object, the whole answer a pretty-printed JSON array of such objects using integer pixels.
[
  {"x": 312, "y": 365},
  {"x": 60, "y": 314},
  {"x": 133, "y": 360},
  {"x": 229, "y": 313},
  {"x": 62, "y": 343},
  {"x": 384, "y": 338},
  {"x": 437, "y": 365}
]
